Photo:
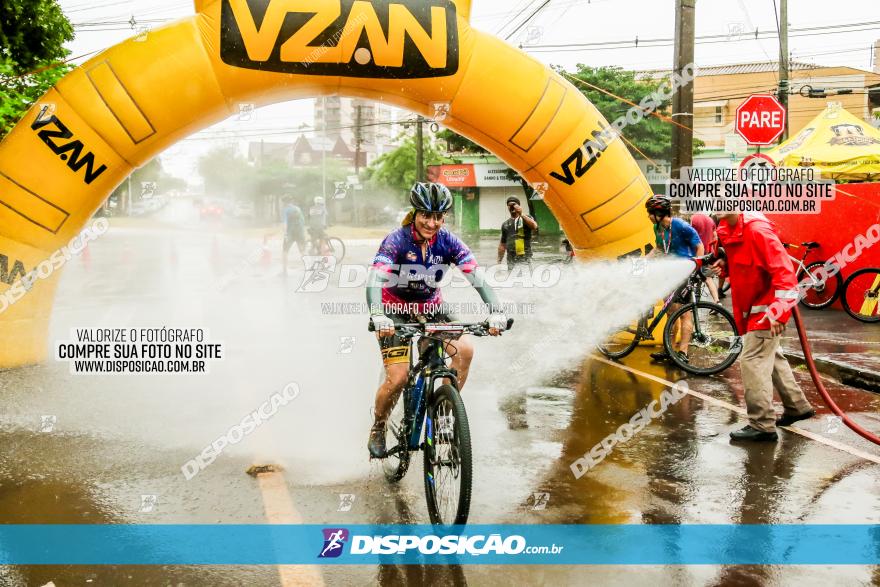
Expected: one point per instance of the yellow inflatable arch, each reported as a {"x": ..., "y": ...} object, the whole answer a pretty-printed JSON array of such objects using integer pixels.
[{"x": 132, "y": 101}]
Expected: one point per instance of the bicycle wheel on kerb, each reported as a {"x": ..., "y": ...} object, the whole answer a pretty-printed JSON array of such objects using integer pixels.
[
  {"x": 861, "y": 295},
  {"x": 447, "y": 459},
  {"x": 396, "y": 463},
  {"x": 714, "y": 347},
  {"x": 821, "y": 294}
]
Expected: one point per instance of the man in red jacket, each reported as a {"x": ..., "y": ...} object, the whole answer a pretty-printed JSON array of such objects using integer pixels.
[{"x": 761, "y": 275}]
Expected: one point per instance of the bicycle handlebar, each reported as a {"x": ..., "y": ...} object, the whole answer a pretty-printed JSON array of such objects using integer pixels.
[{"x": 439, "y": 328}]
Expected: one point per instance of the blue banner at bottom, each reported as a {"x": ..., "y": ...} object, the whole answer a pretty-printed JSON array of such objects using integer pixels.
[{"x": 465, "y": 545}]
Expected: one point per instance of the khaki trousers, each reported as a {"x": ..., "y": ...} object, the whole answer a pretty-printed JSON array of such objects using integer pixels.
[{"x": 764, "y": 368}]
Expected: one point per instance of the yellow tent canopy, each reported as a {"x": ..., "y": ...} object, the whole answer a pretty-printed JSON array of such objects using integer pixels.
[{"x": 836, "y": 143}]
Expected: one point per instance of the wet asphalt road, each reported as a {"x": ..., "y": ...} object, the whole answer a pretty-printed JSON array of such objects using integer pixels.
[{"x": 118, "y": 438}]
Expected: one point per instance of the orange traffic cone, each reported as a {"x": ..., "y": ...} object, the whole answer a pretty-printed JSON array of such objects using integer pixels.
[{"x": 266, "y": 256}]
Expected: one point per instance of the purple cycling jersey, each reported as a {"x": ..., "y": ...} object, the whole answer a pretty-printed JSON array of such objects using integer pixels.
[{"x": 401, "y": 254}]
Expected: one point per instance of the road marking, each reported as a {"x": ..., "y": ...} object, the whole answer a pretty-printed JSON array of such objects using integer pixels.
[
  {"x": 279, "y": 509},
  {"x": 742, "y": 411}
]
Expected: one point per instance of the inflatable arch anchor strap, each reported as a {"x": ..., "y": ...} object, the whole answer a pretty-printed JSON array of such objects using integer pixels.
[{"x": 133, "y": 100}]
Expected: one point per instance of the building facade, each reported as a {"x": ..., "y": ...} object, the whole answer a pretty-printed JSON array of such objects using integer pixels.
[
  {"x": 481, "y": 186},
  {"x": 369, "y": 128}
]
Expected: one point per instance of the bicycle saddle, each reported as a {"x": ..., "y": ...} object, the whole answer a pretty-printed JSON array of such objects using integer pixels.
[{"x": 810, "y": 245}]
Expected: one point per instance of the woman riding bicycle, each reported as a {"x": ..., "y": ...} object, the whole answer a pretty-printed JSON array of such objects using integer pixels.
[{"x": 402, "y": 287}]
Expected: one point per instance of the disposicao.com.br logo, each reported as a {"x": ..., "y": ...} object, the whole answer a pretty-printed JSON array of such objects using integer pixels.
[{"x": 454, "y": 544}]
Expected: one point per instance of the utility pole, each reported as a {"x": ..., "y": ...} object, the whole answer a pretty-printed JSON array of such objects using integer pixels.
[
  {"x": 358, "y": 138},
  {"x": 683, "y": 99},
  {"x": 127, "y": 208},
  {"x": 420, "y": 150},
  {"x": 358, "y": 141},
  {"x": 783, "y": 62},
  {"x": 324, "y": 148}
]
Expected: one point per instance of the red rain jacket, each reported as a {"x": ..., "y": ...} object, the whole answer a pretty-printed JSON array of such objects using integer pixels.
[{"x": 760, "y": 272}]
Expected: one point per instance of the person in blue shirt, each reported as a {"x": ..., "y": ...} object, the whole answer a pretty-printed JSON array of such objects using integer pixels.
[
  {"x": 294, "y": 230},
  {"x": 677, "y": 238}
]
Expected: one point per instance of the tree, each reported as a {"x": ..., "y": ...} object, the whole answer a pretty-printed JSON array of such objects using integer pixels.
[
  {"x": 18, "y": 93},
  {"x": 33, "y": 33},
  {"x": 226, "y": 173},
  {"x": 651, "y": 136},
  {"x": 397, "y": 169},
  {"x": 32, "y": 37}
]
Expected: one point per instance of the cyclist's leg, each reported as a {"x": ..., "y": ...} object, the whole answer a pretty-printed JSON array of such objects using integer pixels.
[
  {"x": 712, "y": 284},
  {"x": 686, "y": 323},
  {"x": 462, "y": 351},
  {"x": 673, "y": 308},
  {"x": 395, "y": 379},
  {"x": 395, "y": 357}
]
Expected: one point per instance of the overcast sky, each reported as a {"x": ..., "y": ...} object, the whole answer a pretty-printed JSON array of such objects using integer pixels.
[{"x": 103, "y": 23}]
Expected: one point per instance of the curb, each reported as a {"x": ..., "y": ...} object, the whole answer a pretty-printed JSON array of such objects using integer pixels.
[{"x": 845, "y": 373}]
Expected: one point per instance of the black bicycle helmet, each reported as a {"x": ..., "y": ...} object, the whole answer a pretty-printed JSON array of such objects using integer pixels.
[
  {"x": 659, "y": 206},
  {"x": 430, "y": 197}
]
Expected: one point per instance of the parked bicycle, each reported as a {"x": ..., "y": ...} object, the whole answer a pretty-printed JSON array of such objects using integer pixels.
[
  {"x": 861, "y": 294},
  {"x": 431, "y": 400},
  {"x": 820, "y": 294},
  {"x": 715, "y": 342}
]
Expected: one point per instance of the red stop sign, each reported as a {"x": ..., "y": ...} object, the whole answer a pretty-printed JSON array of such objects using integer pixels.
[{"x": 760, "y": 119}]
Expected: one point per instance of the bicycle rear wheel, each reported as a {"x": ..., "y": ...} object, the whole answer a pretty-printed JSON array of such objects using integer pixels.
[
  {"x": 711, "y": 350},
  {"x": 822, "y": 294},
  {"x": 861, "y": 294},
  {"x": 396, "y": 464},
  {"x": 447, "y": 458},
  {"x": 335, "y": 247}
]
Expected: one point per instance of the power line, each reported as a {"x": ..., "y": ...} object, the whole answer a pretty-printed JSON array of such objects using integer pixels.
[
  {"x": 516, "y": 16},
  {"x": 526, "y": 21},
  {"x": 703, "y": 39}
]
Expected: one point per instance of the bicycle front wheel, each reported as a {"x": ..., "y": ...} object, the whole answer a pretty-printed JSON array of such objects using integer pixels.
[
  {"x": 821, "y": 294},
  {"x": 396, "y": 463},
  {"x": 619, "y": 344},
  {"x": 448, "y": 461},
  {"x": 861, "y": 294},
  {"x": 715, "y": 342}
]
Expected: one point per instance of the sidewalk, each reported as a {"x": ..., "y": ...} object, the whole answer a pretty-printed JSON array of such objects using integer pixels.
[{"x": 843, "y": 348}]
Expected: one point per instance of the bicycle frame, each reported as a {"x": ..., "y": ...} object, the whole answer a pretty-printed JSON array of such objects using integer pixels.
[
  {"x": 800, "y": 266},
  {"x": 694, "y": 298},
  {"x": 420, "y": 386}
]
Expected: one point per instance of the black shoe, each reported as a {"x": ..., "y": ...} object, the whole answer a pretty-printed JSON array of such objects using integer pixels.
[
  {"x": 683, "y": 357},
  {"x": 376, "y": 444},
  {"x": 661, "y": 356},
  {"x": 788, "y": 419},
  {"x": 749, "y": 433}
]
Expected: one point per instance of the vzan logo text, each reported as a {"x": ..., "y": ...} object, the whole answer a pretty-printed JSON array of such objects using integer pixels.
[
  {"x": 583, "y": 158},
  {"x": 8, "y": 277},
  {"x": 353, "y": 38},
  {"x": 75, "y": 159}
]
